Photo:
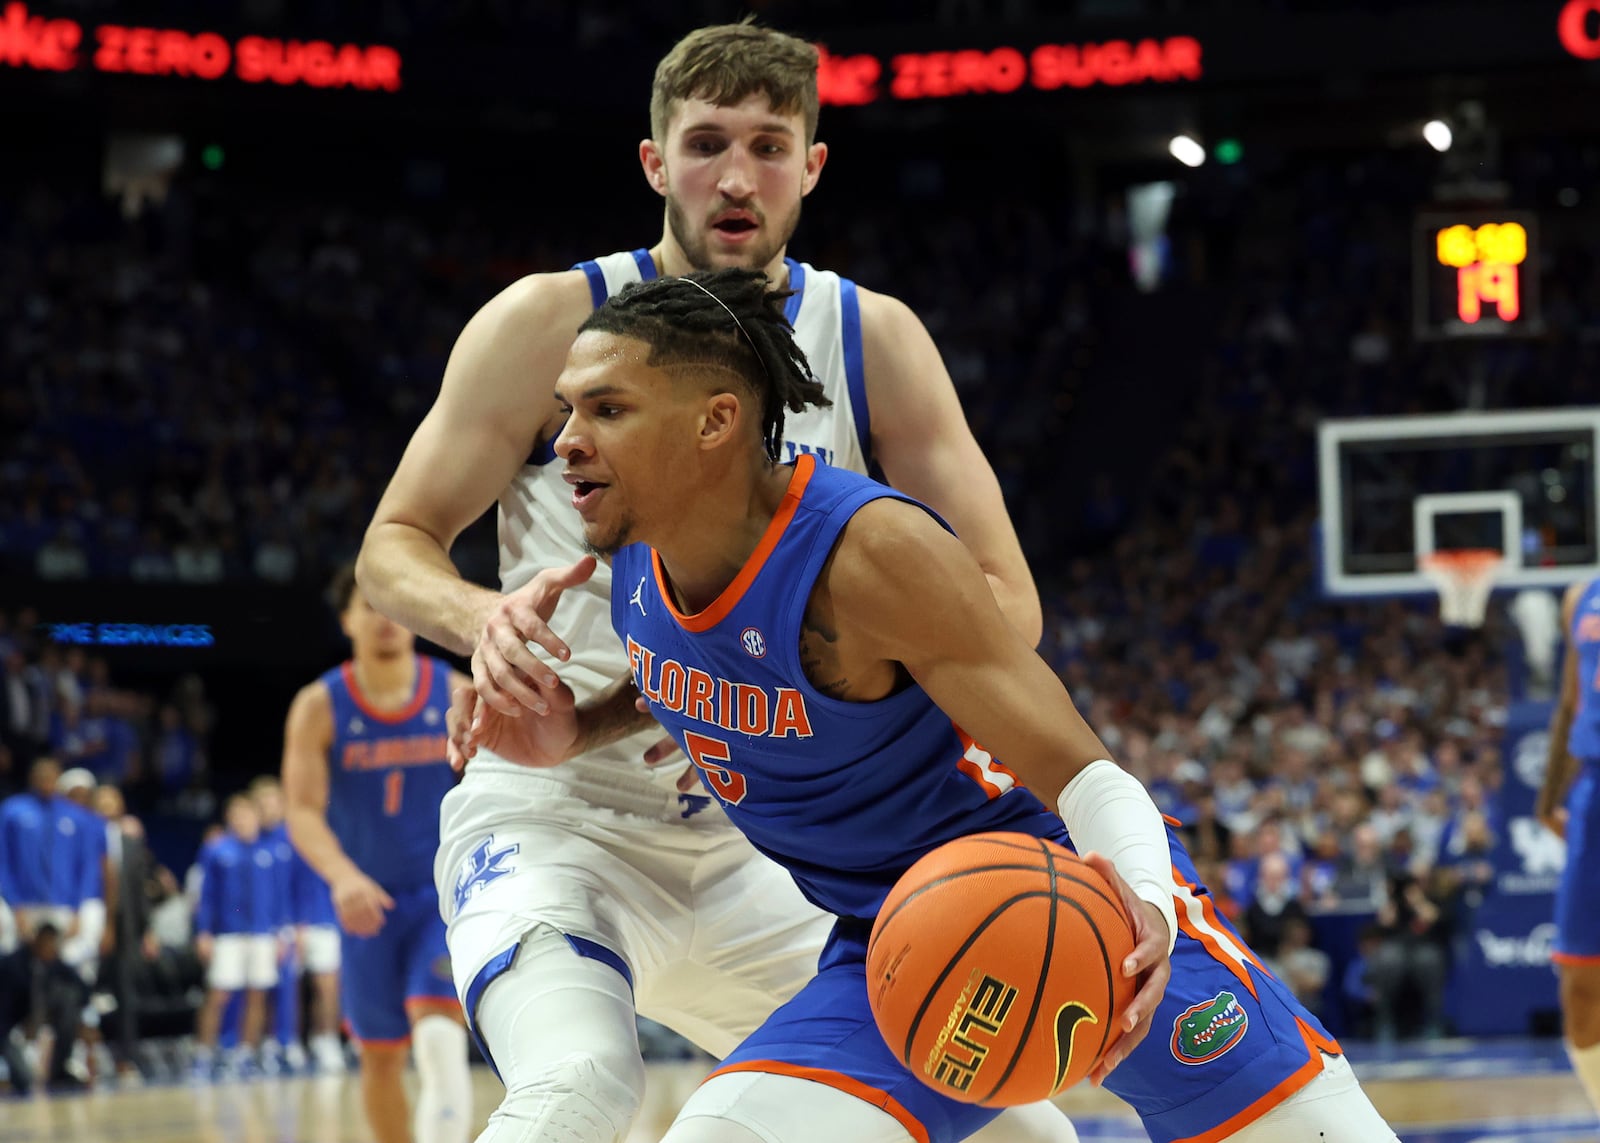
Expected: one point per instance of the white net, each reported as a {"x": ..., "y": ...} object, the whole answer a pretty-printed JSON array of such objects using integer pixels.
[{"x": 1464, "y": 580}]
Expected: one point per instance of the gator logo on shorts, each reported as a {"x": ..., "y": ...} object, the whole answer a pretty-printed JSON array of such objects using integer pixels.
[{"x": 1209, "y": 1029}]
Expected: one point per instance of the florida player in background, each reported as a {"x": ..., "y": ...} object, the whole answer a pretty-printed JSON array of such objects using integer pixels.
[
  {"x": 823, "y": 647},
  {"x": 364, "y": 770},
  {"x": 1569, "y": 803}
]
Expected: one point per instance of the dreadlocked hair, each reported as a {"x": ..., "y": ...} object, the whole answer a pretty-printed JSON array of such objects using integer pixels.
[{"x": 725, "y": 319}]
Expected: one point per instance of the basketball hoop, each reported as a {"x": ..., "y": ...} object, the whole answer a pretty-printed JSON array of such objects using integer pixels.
[{"x": 1464, "y": 579}]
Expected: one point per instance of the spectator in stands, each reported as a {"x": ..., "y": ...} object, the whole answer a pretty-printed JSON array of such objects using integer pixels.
[
  {"x": 1363, "y": 878},
  {"x": 1304, "y": 968},
  {"x": 1411, "y": 954},
  {"x": 1275, "y": 906}
]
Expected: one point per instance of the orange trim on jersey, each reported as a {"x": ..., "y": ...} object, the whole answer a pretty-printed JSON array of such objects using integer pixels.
[
  {"x": 804, "y": 465},
  {"x": 839, "y": 1082},
  {"x": 1207, "y": 941},
  {"x": 1172, "y": 821},
  {"x": 1208, "y": 909},
  {"x": 413, "y": 708},
  {"x": 1574, "y": 959},
  {"x": 1302, "y": 1075},
  {"x": 419, "y": 1006}
]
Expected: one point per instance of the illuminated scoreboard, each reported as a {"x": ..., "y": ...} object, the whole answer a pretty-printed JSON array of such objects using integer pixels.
[{"x": 1477, "y": 274}]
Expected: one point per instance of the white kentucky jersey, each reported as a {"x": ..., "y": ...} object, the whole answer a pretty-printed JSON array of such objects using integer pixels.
[{"x": 539, "y": 528}]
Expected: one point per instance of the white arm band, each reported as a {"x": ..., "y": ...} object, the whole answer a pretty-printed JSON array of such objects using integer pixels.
[{"x": 1108, "y": 811}]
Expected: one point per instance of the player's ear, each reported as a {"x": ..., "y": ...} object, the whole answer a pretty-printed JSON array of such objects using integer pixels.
[
  {"x": 816, "y": 156},
  {"x": 721, "y": 420},
  {"x": 654, "y": 164}
]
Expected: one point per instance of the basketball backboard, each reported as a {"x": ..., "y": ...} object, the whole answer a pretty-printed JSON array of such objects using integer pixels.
[{"x": 1393, "y": 489}]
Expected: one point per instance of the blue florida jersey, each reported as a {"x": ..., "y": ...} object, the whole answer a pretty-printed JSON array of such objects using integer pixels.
[
  {"x": 387, "y": 774},
  {"x": 1584, "y": 740},
  {"x": 844, "y": 795}
]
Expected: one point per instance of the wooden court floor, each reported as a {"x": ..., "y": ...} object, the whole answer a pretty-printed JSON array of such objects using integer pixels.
[{"x": 1479, "y": 1109}]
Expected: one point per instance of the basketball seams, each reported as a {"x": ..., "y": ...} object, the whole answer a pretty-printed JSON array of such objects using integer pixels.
[
  {"x": 956, "y": 958},
  {"x": 1088, "y": 895},
  {"x": 1111, "y": 980},
  {"x": 1096, "y": 886},
  {"x": 1044, "y": 971}
]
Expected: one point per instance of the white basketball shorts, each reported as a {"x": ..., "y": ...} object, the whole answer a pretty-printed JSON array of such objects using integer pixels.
[
  {"x": 713, "y": 935},
  {"x": 321, "y": 947},
  {"x": 243, "y": 960}
]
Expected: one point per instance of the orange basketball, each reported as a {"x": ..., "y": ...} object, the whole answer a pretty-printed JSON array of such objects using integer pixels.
[{"x": 994, "y": 969}]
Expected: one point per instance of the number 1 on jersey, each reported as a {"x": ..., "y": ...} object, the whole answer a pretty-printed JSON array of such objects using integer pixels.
[
  {"x": 393, "y": 784},
  {"x": 705, "y": 753}
]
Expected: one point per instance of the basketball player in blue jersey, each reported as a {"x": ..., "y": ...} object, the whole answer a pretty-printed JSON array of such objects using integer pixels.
[
  {"x": 1569, "y": 803},
  {"x": 830, "y": 658},
  {"x": 579, "y": 895},
  {"x": 364, "y": 771}
]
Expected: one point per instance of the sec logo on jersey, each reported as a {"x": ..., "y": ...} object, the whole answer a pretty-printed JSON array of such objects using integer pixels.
[{"x": 755, "y": 643}]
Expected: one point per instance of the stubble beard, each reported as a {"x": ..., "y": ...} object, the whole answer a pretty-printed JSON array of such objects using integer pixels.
[{"x": 697, "y": 247}]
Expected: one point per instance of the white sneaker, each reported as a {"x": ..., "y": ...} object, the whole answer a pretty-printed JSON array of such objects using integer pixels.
[
  {"x": 294, "y": 1058},
  {"x": 328, "y": 1054}
]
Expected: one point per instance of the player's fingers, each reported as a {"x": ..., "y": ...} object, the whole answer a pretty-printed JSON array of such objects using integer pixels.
[
  {"x": 1108, "y": 1060},
  {"x": 486, "y": 677},
  {"x": 523, "y": 626},
  {"x": 1101, "y": 864},
  {"x": 500, "y": 661},
  {"x": 1141, "y": 1011},
  {"x": 661, "y": 750},
  {"x": 689, "y": 779},
  {"x": 527, "y": 626},
  {"x": 1142, "y": 1008}
]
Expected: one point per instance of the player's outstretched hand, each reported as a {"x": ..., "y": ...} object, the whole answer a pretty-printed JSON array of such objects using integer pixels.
[
  {"x": 360, "y": 904},
  {"x": 538, "y": 740},
  {"x": 1149, "y": 963},
  {"x": 509, "y": 676}
]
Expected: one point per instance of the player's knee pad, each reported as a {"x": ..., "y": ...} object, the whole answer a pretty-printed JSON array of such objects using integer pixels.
[
  {"x": 439, "y": 1046},
  {"x": 763, "y": 1107},
  {"x": 560, "y": 1028},
  {"x": 574, "y": 1100}
]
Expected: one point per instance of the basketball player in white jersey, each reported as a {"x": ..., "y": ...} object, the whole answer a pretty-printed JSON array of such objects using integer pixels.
[{"x": 578, "y": 895}]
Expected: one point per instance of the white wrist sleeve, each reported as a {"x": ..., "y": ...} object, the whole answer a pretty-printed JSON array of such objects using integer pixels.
[{"x": 1108, "y": 811}]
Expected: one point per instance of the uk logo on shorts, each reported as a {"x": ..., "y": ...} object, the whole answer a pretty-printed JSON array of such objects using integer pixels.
[
  {"x": 755, "y": 643},
  {"x": 1209, "y": 1029},
  {"x": 485, "y": 865}
]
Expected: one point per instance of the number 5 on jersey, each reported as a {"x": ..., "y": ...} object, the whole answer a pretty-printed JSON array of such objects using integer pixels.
[{"x": 707, "y": 753}]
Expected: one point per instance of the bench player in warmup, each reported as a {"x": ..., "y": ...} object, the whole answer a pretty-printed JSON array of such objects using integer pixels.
[
  {"x": 580, "y": 895},
  {"x": 363, "y": 772},
  {"x": 1569, "y": 803},
  {"x": 829, "y": 656}
]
